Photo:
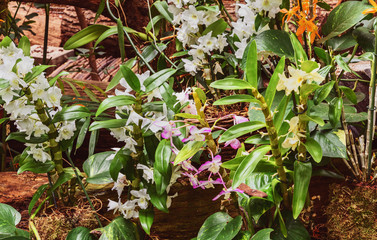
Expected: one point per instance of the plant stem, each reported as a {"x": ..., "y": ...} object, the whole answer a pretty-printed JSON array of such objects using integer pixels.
[
  {"x": 371, "y": 110},
  {"x": 274, "y": 141},
  {"x": 45, "y": 38}
]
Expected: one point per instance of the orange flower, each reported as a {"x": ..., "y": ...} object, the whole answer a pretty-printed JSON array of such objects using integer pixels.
[
  {"x": 289, "y": 13},
  {"x": 307, "y": 25},
  {"x": 371, "y": 10}
]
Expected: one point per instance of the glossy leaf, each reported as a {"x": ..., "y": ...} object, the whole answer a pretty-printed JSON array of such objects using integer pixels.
[
  {"x": 263, "y": 234},
  {"x": 35, "y": 166},
  {"x": 162, "y": 166},
  {"x": 85, "y": 36},
  {"x": 331, "y": 144},
  {"x": 121, "y": 160},
  {"x": 252, "y": 65},
  {"x": 187, "y": 116},
  {"x": 113, "y": 123},
  {"x": 294, "y": 229},
  {"x": 257, "y": 140},
  {"x": 146, "y": 217},
  {"x": 301, "y": 178},
  {"x": 121, "y": 39},
  {"x": 237, "y": 98},
  {"x": 22, "y": 137},
  {"x": 349, "y": 93},
  {"x": 314, "y": 149},
  {"x": 158, "y": 200},
  {"x": 162, "y": 7},
  {"x": 323, "y": 55},
  {"x": 216, "y": 28},
  {"x": 240, "y": 129},
  {"x": 35, "y": 72},
  {"x": 71, "y": 113},
  {"x": 275, "y": 41},
  {"x": 131, "y": 78},
  {"x": 271, "y": 88},
  {"x": 79, "y": 233},
  {"x": 150, "y": 51},
  {"x": 322, "y": 93},
  {"x": 335, "y": 110},
  {"x": 233, "y": 164},
  {"x": 9, "y": 215},
  {"x": 82, "y": 133},
  {"x": 9, "y": 218},
  {"x": 115, "y": 80},
  {"x": 258, "y": 206},
  {"x": 158, "y": 79},
  {"x": 342, "y": 42},
  {"x": 364, "y": 38},
  {"x": 342, "y": 18},
  {"x": 96, "y": 167},
  {"x": 231, "y": 84},
  {"x": 249, "y": 164},
  {"x": 24, "y": 44},
  {"x": 36, "y": 196},
  {"x": 220, "y": 226},
  {"x": 188, "y": 150},
  {"x": 299, "y": 52},
  {"x": 119, "y": 229},
  {"x": 115, "y": 101}
]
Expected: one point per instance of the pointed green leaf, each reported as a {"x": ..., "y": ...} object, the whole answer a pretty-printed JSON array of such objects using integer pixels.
[
  {"x": 158, "y": 79},
  {"x": 36, "y": 196},
  {"x": 85, "y": 36},
  {"x": 231, "y": 84},
  {"x": 188, "y": 150},
  {"x": 271, "y": 88},
  {"x": 275, "y": 41},
  {"x": 249, "y": 164},
  {"x": 146, "y": 219},
  {"x": 263, "y": 234},
  {"x": 131, "y": 78},
  {"x": 220, "y": 226},
  {"x": 79, "y": 233},
  {"x": 235, "y": 99},
  {"x": 115, "y": 101},
  {"x": 119, "y": 229},
  {"x": 252, "y": 65},
  {"x": 301, "y": 178},
  {"x": 162, "y": 166},
  {"x": 240, "y": 129},
  {"x": 314, "y": 149}
]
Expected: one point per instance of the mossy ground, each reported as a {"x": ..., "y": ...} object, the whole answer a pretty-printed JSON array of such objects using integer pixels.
[{"x": 352, "y": 212}]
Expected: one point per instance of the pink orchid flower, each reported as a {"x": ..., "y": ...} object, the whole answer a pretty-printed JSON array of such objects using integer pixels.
[
  {"x": 239, "y": 119},
  {"x": 209, "y": 183},
  {"x": 226, "y": 193},
  {"x": 196, "y": 134},
  {"x": 234, "y": 143},
  {"x": 212, "y": 166}
]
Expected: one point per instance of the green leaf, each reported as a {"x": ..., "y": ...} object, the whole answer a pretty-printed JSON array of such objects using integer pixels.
[
  {"x": 150, "y": 51},
  {"x": 235, "y": 99},
  {"x": 343, "y": 42},
  {"x": 35, "y": 166},
  {"x": 309, "y": 65},
  {"x": 251, "y": 70},
  {"x": 231, "y": 84},
  {"x": 36, "y": 196},
  {"x": 335, "y": 110},
  {"x": 21, "y": 137},
  {"x": 301, "y": 177},
  {"x": 82, "y": 133},
  {"x": 323, "y": 55},
  {"x": 271, "y": 88},
  {"x": 113, "y": 123},
  {"x": 6, "y": 42},
  {"x": 146, "y": 219},
  {"x": 79, "y": 233},
  {"x": 9, "y": 215},
  {"x": 162, "y": 7},
  {"x": 322, "y": 93},
  {"x": 240, "y": 129},
  {"x": 35, "y": 72},
  {"x": 350, "y": 94},
  {"x": 258, "y": 206},
  {"x": 216, "y": 28},
  {"x": 67, "y": 175},
  {"x": 115, "y": 101},
  {"x": 315, "y": 119},
  {"x": 263, "y": 234},
  {"x": 71, "y": 113},
  {"x": 188, "y": 150},
  {"x": 121, "y": 39},
  {"x": 24, "y": 44},
  {"x": 364, "y": 38},
  {"x": 131, "y": 78},
  {"x": 275, "y": 41},
  {"x": 299, "y": 52},
  {"x": 187, "y": 115},
  {"x": 158, "y": 79},
  {"x": 159, "y": 201},
  {"x": 162, "y": 166},
  {"x": 201, "y": 94},
  {"x": 119, "y": 229},
  {"x": 257, "y": 140},
  {"x": 85, "y": 36},
  {"x": 220, "y": 226},
  {"x": 97, "y": 166},
  {"x": 249, "y": 164},
  {"x": 294, "y": 229},
  {"x": 314, "y": 149},
  {"x": 342, "y": 18},
  {"x": 331, "y": 144},
  {"x": 115, "y": 80},
  {"x": 233, "y": 164},
  {"x": 344, "y": 66}
]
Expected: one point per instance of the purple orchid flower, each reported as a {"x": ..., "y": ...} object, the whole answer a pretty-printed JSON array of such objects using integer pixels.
[
  {"x": 196, "y": 134},
  {"x": 234, "y": 143},
  {"x": 226, "y": 193},
  {"x": 193, "y": 179},
  {"x": 213, "y": 166},
  {"x": 169, "y": 129},
  {"x": 239, "y": 119},
  {"x": 209, "y": 183}
]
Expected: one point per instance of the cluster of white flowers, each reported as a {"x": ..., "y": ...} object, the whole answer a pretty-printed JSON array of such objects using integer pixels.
[
  {"x": 190, "y": 21},
  {"x": 14, "y": 66},
  {"x": 140, "y": 198}
]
